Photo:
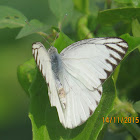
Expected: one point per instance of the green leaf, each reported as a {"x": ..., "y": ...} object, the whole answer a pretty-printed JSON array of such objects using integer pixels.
[
  {"x": 34, "y": 26},
  {"x": 61, "y": 7},
  {"x": 135, "y": 28},
  {"x": 62, "y": 42},
  {"x": 112, "y": 16},
  {"x": 26, "y": 73},
  {"x": 106, "y": 31},
  {"x": 133, "y": 42},
  {"x": 11, "y": 18},
  {"x": 136, "y": 106},
  {"x": 129, "y": 70}
]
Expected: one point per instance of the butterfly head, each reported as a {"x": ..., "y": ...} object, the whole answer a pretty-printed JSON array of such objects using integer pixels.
[{"x": 52, "y": 50}]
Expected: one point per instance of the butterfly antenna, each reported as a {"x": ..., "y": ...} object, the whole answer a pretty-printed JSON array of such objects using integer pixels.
[
  {"x": 39, "y": 34},
  {"x": 62, "y": 21}
]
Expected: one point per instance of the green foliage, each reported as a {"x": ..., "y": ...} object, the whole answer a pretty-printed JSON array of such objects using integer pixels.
[
  {"x": 137, "y": 106},
  {"x": 61, "y": 7},
  {"x": 11, "y": 18},
  {"x": 112, "y": 16},
  {"x": 124, "y": 1},
  {"x": 133, "y": 42},
  {"x": 82, "y": 5},
  {"x": 82, "y": 22},
  {"x": 26, "y": 73},
  {"x": 136, "y": 28},
  {"x": 33, "y": 26}
]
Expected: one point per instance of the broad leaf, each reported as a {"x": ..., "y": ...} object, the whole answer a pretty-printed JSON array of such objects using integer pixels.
[
  {"x": 34, "y": 26},
  {"x": 26, "y": 74},
  {"x": 11, "y": 18},
  {"x": 112, "y": 16},
  {"x": 133, "y": 42}
]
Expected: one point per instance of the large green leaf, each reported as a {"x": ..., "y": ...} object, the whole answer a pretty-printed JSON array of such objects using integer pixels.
[
  {"x": 26, "y": 73},
  {"x": 11, "y": 18},
  {"x": 34, "y": 26},
  {"x": 133, "y": 42},
  {"x": 112, "y": 16}
]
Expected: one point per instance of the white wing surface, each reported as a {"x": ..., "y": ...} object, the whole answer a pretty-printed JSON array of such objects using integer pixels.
[
  {"x": 91, "y": 61},
  {"x": 86, "y": 65},
  {"x": 80, "y": 101},
  {"x": 43, "y": 61}
]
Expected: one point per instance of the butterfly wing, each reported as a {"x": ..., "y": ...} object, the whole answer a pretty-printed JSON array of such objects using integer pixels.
[
  {"x": 43, "y": 61},
  {"x": 86, "y": 65},
  {"x": 80, "y": 102},
  {"x": 91, "y": 61}
]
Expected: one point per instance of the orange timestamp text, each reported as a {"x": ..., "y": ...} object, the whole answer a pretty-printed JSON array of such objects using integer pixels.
[{"x": 121, "y": 120}]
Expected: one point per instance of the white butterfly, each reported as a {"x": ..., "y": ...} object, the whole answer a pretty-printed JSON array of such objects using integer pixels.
[{"x": 75, "y": 76}]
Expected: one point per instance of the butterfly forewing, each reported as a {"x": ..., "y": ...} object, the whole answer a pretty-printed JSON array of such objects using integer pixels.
[
  {"x": 42, "y": 59},
  {"x": 95, "y": 59}
]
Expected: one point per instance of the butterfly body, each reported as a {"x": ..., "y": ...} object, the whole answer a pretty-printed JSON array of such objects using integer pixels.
[
  {"x": 75, "y": 76},
  {"x": 56, "y": 64}
]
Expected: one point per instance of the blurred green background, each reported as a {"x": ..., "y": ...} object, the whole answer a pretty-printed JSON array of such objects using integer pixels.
[{"x": 14, "y": 102}]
